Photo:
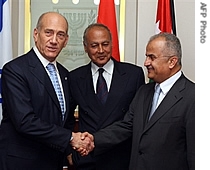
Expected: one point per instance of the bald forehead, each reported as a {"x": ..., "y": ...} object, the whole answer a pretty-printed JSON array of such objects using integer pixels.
[
  {"x": 99, "y": 28},
  {"x": 52, "y": 16},
  {"x": 159, "y": 41}
]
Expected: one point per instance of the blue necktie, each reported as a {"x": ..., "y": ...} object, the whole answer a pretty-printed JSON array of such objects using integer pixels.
[
  {"x": 54, "y": 79},
  {"x": 155, "y": 100},
  {"x": 101, "y": 87}
]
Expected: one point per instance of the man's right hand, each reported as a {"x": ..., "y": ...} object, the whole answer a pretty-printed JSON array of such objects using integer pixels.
[{"x": 82, "y": 142}]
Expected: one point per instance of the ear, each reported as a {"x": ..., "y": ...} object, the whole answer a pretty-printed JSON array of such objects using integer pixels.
[
  {"x": 173, "y": 61},
  {"x": 35, "y": 34}
]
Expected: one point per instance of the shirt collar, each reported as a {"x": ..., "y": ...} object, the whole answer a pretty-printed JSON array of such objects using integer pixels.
[
  {"x": 167, "y": 84},
  {"x": 43, "y": 60},
  {"x": 108, "y": 67}
]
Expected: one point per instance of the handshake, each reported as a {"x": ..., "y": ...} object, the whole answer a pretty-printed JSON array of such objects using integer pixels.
[{"x": 82, "y": 142}]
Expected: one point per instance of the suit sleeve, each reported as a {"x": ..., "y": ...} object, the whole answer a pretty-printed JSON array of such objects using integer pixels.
[
  {"x": 24, "y": 108},
  {"x": 114, "y": 134},
  {"x": 119, "y": 131},
  {"x": 190, "y": 135}
]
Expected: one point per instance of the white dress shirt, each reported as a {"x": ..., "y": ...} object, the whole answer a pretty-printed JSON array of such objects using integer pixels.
[
  {"x": 45, "y": 62},
  {"x": 107, "y": 74},
  {"x": 166, "y": 86}
]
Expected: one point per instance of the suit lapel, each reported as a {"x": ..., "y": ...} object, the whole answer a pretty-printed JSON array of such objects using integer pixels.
[
  {"x": 64, "y": 81},
  {"x": 85, "y": 83},
  {"x": 40, "y": 73},
  {"x": 146, "y": 96},
  {"x": 168, "y": 102},
  {"x": 118, "y": 85},
  {"x": 148, "y": 102}
]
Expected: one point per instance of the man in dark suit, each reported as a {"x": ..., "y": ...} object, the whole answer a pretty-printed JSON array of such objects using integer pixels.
[
  {"x": 32, "y": 133},
  {"x": 165, "y": 139},
  {"x": 122, "y": 79}
]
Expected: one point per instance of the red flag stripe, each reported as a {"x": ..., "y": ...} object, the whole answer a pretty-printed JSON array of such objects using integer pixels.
[
  {"x": 107, "y": 16},
  {"x": 165, "y": 16}
]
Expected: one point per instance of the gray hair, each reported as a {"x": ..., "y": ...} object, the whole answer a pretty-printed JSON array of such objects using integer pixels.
[{"x": 172, "y": 44}]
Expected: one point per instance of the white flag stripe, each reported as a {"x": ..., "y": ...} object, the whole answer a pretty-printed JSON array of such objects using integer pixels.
[
  {"x": 157, "y": 30},
  {"x": 5, "y": 36},
  {"x": 5, "y": 39}
]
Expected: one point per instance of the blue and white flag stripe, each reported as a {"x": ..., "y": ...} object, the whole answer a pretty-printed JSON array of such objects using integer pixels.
[{"x": 5, "y": 38}]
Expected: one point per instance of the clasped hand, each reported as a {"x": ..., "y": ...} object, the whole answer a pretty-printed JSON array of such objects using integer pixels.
[{"x": 82, "y": 142}]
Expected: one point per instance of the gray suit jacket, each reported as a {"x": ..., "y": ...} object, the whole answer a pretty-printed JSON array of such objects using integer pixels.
[{"x": 167, "y": 141}]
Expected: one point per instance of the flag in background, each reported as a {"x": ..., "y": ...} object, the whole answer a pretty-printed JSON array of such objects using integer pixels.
[
  {"x": 165, "y": 18},
  {"x": 107, "y": 16},
  {"x": 5, "y": 39}
]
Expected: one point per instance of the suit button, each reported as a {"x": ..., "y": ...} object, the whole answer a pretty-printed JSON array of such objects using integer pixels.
[
  {"x": 123, "y": 110},
  {"x": 86, "y": 112},
  {"x": 140, "y": 152}
]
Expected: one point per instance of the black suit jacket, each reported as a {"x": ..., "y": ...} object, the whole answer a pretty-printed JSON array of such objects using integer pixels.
[
  {"x": 32, "y": 134},
  {"x": 167, "y": 141},
  {"x": 93, "y": 116}
]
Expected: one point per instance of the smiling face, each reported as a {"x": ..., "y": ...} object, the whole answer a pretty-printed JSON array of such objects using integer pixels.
[
  {"x": 98, "y": 45},
  {"x": 160, "y": 62},
  {"x": 51, "y": 36}
]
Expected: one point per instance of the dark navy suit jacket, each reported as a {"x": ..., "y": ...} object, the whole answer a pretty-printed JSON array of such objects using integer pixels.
[
  {"x": 93, "y": 116},
  {"x": 32, "y": 134}
]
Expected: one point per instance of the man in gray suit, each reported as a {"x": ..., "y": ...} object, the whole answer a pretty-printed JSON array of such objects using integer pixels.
[{"x": 165, "y": 139}]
